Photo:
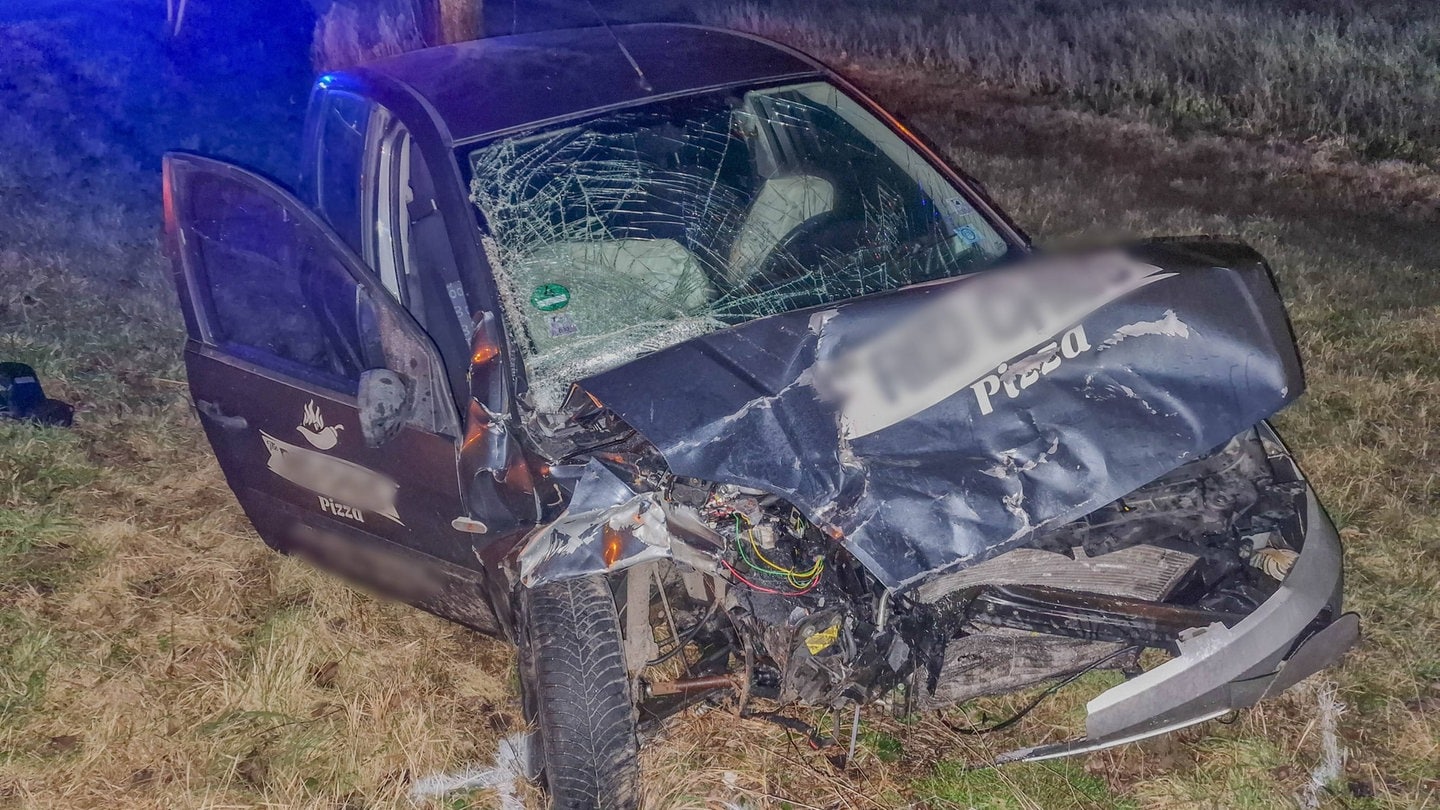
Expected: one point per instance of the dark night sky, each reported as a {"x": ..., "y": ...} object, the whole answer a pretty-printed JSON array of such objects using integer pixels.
[{"x": 234, "y": 82}]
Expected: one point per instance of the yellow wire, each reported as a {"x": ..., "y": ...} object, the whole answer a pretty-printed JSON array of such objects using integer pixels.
[{"x": 797, "y": 578}]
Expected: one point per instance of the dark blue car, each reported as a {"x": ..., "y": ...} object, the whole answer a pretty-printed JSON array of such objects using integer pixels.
[{"x": 666, "y": 353}]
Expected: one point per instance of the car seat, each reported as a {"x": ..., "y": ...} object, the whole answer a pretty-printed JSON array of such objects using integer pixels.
[{"x": 782, "y": 205}]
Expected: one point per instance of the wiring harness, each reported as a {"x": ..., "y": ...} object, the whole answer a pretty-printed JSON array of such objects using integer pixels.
[{"x": 792, "y": 582}]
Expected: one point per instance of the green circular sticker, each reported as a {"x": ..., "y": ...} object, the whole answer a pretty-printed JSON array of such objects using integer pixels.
[{"x": 549, "y": 297}]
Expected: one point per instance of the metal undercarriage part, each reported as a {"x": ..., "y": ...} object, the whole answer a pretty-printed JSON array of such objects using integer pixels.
[{"x": 1140, "y": 571}]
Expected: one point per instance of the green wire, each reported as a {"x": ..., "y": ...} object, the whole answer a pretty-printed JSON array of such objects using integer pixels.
[{"x": 790, "y": 576}]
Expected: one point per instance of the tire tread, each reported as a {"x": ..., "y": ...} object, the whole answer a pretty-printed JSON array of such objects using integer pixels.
[{"x": 586, "y": 715}]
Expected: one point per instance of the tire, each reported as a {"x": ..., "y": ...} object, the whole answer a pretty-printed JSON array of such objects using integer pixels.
[{"x": 577, "y": 694}]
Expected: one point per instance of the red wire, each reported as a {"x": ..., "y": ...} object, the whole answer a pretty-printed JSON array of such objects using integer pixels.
[
  {"x": 764, "y": 589},
  {"x": 741, "y": 577}
]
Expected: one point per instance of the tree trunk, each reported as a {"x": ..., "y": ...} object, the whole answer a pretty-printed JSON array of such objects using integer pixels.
[{"x": 450, "y": 21}]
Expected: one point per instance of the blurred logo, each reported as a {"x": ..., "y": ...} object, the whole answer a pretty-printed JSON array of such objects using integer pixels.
[
  {"x": 340, "y": 482},
  {"x": 969, "y": 337},
  {"x": 312, "y": 427}
]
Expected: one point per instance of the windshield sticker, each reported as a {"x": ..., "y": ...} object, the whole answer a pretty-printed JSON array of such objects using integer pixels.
[
  {"x": 968, "y": 235},
  {"x": 550, "y": 297},
  {"x": 342, "y": 482},
  {"x": 312, "y": 426},
  {"x": 561, "y": 324}
]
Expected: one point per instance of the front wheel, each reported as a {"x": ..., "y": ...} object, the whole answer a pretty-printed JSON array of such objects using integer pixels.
[{"x": 577, "y": 695}]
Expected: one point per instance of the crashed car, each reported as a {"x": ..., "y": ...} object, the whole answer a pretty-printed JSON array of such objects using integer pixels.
[{"x": 667, "y": 354}]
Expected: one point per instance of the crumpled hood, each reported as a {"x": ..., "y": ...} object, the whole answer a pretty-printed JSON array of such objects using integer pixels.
[{"x": 943, "y": 424}]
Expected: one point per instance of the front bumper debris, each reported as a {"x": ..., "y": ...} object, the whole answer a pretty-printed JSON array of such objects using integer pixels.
[{"x": 1220, "y": 669}]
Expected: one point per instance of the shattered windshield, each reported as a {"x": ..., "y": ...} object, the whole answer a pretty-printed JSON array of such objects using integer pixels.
[{"x": 649, "y": 226}]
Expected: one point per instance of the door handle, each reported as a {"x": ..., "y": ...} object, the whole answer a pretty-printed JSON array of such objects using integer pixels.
[{"x": 219, "y": 417}]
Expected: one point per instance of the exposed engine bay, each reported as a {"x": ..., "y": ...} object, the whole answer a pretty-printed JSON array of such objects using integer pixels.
[
  {"x": 764, "y": 601},
  {"x": 806, "y": 528}
]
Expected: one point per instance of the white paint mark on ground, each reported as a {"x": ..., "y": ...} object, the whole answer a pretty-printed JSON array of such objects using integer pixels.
[
  {"x": 732, "y": 783},
  {"x": 503, "y": 777},
  {"x": 1332, "y": 755}
]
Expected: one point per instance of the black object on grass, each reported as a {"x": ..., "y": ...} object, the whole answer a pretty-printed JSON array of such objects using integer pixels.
[{"x": 21, "y": 398}]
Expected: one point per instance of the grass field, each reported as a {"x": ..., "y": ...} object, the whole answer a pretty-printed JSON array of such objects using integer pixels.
[
  {"x": 1360, "y": 78},
  {"x": 154, "y": 654}
]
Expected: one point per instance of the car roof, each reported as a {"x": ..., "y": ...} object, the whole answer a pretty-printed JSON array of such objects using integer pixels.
[{"x": 489, "y": 86}]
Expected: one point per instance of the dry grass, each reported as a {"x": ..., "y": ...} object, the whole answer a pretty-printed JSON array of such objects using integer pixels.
[
  {"x": 345, "y": 37},
  {"x": 1364, "y": 75},
  {"x": 154, "y": 654}
]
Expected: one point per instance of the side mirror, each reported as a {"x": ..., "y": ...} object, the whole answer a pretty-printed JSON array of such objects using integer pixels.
[{"x": 385, "y": 399}]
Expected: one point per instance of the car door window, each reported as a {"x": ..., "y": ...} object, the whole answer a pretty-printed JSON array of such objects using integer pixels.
[
  {"x": 273, "y": 287},
  {"x": 340, "y": 169},
  {"x": 385, "y": 250},
  {"x": 271, "y": 296}
]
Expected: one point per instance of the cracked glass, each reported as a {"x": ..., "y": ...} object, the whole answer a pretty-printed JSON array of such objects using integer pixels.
[{"x": 642, "y": 228}]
